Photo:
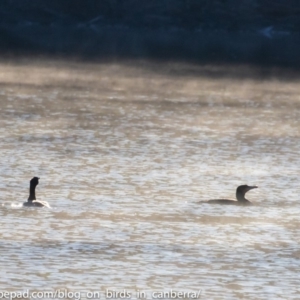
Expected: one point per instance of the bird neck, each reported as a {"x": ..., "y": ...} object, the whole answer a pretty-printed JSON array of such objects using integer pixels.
[
  {"x": 31, "y": 193},
  {"x": 241, "y": 197}
]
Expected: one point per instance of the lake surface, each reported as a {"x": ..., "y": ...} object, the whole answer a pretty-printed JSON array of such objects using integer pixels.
[{"x": 124, "y": 154}]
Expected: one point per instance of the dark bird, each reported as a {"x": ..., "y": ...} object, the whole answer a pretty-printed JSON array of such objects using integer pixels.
[
  {"x": 240, "y": 196},
  {"x": 32, "y": 202}
]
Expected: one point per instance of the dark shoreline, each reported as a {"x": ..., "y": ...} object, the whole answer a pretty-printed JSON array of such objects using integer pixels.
[
  {"x": 199, "y": 32},
  {"x": 111, "y": 43}
]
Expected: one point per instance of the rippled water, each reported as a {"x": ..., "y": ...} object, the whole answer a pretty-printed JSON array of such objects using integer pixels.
[{"x": 124, "y": 155}]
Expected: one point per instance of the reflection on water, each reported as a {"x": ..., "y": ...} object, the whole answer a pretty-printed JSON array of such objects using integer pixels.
[{"x": 124, "y": 155}]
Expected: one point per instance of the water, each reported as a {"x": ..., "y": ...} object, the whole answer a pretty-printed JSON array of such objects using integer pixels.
[{"x": 124, "y": 154}]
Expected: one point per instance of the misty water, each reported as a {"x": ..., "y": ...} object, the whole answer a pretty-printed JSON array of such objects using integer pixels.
[{"x": 124, "y": 153}]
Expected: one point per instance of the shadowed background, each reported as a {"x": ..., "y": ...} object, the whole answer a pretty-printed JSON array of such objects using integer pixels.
[{"x": 256, "y": 32}]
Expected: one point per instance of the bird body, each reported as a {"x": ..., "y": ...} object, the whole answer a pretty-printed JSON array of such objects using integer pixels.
[
  {"x": 240, "y": 196},
  {"x": 37, "y": 203},
  {"x": 32, "y": 202}
]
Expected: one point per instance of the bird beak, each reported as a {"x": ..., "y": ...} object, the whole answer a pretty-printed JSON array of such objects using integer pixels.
[{"x": 252, "y": 187}]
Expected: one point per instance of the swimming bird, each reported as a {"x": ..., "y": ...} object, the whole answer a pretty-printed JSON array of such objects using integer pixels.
[
  {"x": 240, "y": 196},
  {"x": 32, "y": 202}
]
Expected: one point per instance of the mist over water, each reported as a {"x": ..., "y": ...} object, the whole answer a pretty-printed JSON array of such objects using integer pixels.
[{"x": 124, "y": 154}]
